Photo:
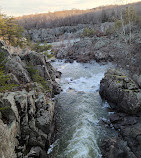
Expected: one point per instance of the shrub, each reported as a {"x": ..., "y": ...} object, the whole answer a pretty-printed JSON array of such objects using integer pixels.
[
  {"x": 4, "y": 82},
  {"x": 4, "y": 78},
  {"x": 129, "y": 15},
  {"x": 88, "y": 32},
  {"x": 41, "y": 48},
  {"x": 2, "y": 60},
  {"x": 48, "y": 55},
  {"x": 110, "y": 31},
  {"x": 37, "y": 78},
  {"x": 117, "y": 24}
]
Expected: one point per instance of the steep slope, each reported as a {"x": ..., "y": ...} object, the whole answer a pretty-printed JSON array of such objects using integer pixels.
[{"x": 27, "y": 112}]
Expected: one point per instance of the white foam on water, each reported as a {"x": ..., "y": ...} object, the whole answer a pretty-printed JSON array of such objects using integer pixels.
[
  {"x": 84, "y": 129},
  {"x": 81, "y": 77}
]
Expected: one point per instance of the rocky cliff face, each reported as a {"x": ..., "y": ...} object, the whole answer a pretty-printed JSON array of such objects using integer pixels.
[
  {"x": 124, "y": 97},
  {"x": 27, "y": 113}
]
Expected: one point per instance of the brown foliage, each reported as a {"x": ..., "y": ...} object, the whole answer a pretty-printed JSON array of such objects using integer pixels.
[{"x": 73, "y": 17}]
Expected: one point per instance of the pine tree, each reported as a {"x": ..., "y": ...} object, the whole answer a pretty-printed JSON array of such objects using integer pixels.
[{"x": 10, "y": 31}]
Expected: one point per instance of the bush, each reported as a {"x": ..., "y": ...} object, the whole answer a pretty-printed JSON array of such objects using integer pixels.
[
  {"x": 4, "y": 79},
  {"x": 41, "y": 48},
  {"x": 2, "y": 60},
  {"x": 129, "y": 15},
  {"x": 37, "y": 78},
  {"x": 88, "y": 32},
  {"x": 117, "y": 24},
  {"x": 48, "y": 55},
  {"x": 110, "y": 31},
  {"x": 4, "y": 82}
]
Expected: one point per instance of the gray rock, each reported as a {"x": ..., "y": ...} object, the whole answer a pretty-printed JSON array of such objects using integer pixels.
[
  {"x": 16, "y": 66},
  {"x": 116, "y": 148},
  {"x": 27, "y": 115},
  {"x": 36, "y": 152},
  {"x": 121, "y": 91},
  {"x": 137, "y": 78}
]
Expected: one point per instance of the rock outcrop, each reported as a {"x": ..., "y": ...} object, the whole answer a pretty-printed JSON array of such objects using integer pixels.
[
  {"x": 27, "y": 112},
  {"x": 101, "y": 49},
  {"x": 124, "y": 97},
  {"x": 55, "y": 34},
  {"x": 122, "y": 92}
]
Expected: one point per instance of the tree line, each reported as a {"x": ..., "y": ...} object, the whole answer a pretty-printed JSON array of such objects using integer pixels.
[{"x": 74, "y": 17}]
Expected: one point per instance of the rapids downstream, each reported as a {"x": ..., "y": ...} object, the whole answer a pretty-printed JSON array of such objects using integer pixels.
[{"x": 79, "y": 110}]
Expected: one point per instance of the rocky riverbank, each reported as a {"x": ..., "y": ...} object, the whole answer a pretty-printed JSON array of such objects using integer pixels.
[
  {"x": 124, "y": 97},
  {"x": 27, "y": 112},
  {"x": 100, "y": 42},
  {"x": 102, "y": 47},
  {"x": 65, "y": 32}
]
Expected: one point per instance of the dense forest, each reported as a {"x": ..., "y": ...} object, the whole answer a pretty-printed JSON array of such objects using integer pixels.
[{"x": 74, "y": 17}]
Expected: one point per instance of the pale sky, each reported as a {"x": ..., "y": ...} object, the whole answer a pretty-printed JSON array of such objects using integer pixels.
[{"x": 23, "y": 7}]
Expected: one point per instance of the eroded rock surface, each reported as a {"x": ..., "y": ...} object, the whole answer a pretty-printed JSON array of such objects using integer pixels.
[
  {"x": 123, "y": 95},
  {"x": 27, "y": 113},
  {"x": 121, "y": 91}
]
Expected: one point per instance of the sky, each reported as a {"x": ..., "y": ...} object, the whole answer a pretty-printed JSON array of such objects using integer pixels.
[{"x": 24, "y": 7}]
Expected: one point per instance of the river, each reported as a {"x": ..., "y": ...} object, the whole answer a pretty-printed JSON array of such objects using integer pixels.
[{"x": 79, "y": 110}]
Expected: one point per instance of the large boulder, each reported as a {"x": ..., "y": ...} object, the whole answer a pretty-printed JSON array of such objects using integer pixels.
[{"x": 121, "y": 92}]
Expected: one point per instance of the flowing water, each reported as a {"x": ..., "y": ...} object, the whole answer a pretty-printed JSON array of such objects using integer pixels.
[{"x": 79, "y": 110}]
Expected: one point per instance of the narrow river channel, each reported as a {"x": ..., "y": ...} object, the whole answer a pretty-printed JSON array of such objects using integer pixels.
[{"x": 79, "y": 110}]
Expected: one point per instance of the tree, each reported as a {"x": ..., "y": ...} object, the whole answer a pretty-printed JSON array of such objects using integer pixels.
[
  {"x": 104, "y": 17},
  {"x": 129, "y": 18},
  {"x": 10, "y": 31},
  {"x": 126, "y": 21}
]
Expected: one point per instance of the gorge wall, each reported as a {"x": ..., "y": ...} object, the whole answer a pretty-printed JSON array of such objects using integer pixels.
[
  {"x": 124, "y": 97},
  {"x": 27, "y": 112}
]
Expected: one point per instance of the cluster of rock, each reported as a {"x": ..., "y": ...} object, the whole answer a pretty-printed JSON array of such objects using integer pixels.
[
  {"x": 102, "y": 49},
  {"x": 65, "y": 32},
  {"x": 124, "y": 98},
  {"x": 87, "y": 49},
  {"x": 27, "y": 113},
  {"x": 55, "y": 34}
]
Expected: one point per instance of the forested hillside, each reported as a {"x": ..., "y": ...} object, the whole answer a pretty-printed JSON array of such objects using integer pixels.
[{"x": 74, "y": 17}]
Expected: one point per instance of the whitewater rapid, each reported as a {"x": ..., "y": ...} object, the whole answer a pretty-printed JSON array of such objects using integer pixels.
[{"x": 79, "y": 109}]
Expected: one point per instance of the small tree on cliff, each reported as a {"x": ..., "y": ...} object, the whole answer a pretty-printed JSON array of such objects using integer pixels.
[
  {"x": 4, "y": 78},
  {"x": 10, "y": 31}
]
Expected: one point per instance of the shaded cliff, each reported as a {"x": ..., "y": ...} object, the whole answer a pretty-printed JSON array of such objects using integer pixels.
[
  {"x": 124, "y": 97},
  {"x": 27, "y": 111}
]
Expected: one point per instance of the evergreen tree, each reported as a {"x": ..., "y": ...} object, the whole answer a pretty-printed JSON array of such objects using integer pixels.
[{"x": 10, "y": 31}]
